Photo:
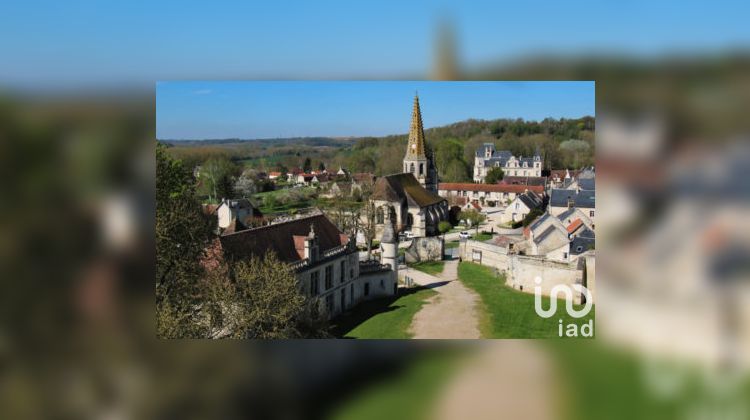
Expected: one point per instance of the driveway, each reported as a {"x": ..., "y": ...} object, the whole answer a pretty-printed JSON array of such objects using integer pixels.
[{"x": 452, "y": 313}]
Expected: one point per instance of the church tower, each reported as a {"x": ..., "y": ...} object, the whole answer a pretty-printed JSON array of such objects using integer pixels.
[{"x": 418, "y": 160}]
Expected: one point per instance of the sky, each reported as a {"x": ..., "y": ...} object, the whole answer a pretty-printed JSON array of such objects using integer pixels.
[
  {"x": 260, "y": 109},
  {"x": 83, "y": 44}
]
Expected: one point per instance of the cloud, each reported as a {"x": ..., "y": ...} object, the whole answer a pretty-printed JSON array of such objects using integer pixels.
[{"x": 202, "y": 92}]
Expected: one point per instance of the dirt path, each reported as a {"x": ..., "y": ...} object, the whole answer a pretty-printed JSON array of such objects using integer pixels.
[
  {"x": 503, "y": 379},
  {"x": 452, "y": 312}
]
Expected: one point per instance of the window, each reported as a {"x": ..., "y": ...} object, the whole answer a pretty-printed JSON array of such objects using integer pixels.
[
  {"x": 379, "y": 215},
  {"x": 421, "y": 168},
  {"x": 314, "y": 287},
  {"x": 343, "y": 299},
  {"x": 591, "y": 213},
  {"x": 411, "y": 168},
  {"x": 367, "y": 289},
  {"x": 351, "y": 273},
  {"x": 565, "y": 255},
  {"x": 516, "y": 206},
  {"x": 343, "y": 271},
  {"x": 579, "y": 249},
  {"x": 329, "y": 277}
]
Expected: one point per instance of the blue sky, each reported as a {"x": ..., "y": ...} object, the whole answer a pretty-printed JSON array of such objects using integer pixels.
[
  {"x": 91, "y": 43},
  {"x": 212, "y": 109}
]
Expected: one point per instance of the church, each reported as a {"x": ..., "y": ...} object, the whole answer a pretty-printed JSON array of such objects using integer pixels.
[{"x": 409, "y": 200}]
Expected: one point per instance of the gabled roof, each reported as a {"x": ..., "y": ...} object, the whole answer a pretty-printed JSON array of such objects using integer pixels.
[
  {"x": 530, "y": 199},
  {"x": 363, "y": 177},
  {"x": 280, "y": 239},
  {"x": 404, "y": 186},
  {"x": 582, "y": 199}
]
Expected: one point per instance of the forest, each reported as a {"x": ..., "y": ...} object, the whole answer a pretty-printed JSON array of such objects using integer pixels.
[{"x": 564, "y": 143}]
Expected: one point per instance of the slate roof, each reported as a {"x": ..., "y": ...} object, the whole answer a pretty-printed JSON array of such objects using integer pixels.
[
  {"x": 404, "y": 186},
  {"x": 280, "y": 238},
  {"x": 524, "y": 180},
  {"x": 530, "y": 200},
  {"x": 582, "y": 199}
]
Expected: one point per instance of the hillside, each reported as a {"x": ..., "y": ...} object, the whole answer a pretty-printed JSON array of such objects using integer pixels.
[{"x": 563, "y": 143}]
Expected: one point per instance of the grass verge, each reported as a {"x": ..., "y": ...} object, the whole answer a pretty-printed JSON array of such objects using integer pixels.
[{"x": 508, "y": 313}]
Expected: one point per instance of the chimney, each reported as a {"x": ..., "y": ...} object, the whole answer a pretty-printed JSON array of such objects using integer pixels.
[{"x": 311, "y": 245}]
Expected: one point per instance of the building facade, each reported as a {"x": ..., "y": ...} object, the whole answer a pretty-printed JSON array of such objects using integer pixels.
[
  {"x": 325, "y": 261},
  {"x": 486, "y": 158}
]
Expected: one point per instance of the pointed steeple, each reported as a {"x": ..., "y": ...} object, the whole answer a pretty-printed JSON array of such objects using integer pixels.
[{"x": 416, "y": 147}]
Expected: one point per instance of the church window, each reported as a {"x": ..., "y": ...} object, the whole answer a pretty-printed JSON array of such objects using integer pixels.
[
  {"x": 421, "y": 169},
  {"x": 379, "y": 215}
]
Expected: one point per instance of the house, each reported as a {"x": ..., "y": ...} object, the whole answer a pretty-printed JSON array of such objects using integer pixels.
[
  {"x": 486, "y": 158},
  {"x": 325, "y": 262},
  {"x": 562, "y": 200},
  {"x": 521, "y": 206},
  {"x": 548, "y": 237},
  {"x": 491, "y": 195},
  {"x": 233, "y": 215}
]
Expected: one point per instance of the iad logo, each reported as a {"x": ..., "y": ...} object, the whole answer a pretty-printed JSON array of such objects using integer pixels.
[{"x": 571, "y": 330}]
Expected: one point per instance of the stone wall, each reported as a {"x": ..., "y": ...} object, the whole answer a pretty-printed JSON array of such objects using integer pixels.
[
  {"x": 425, "y": 249},
  {"x": 521, "y": 271}
]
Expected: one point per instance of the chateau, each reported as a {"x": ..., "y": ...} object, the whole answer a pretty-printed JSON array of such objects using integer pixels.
[
  {"x": 409, "y": 201},
  {"x": 486, "y": 158}
]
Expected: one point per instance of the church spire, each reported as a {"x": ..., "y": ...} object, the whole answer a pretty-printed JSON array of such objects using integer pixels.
[{"x": 416, "y": 147}]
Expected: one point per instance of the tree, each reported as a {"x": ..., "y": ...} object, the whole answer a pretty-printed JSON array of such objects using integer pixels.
[
  {"x": 369, "y": 223},
  {"x": 473, "y": 218},
  {"x": 494, "y": 175},
  {"x": 307, "y": 166},
  {"x": 264, "y": 300},
  {"x": 443, "y": 227},
  {"x": 216, "y": 176},
  {"x": 321, "y": 166},
  {"x": 182, "y": 233},
  {"x": 531, "y": 216}
]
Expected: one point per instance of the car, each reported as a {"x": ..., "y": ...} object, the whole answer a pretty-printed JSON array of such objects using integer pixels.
[{"x": 464, "y": 235}]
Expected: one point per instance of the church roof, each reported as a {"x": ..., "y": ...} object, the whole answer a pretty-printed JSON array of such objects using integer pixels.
[
  {"x": 398, "y": 187},
  {"x": 416, "y": 147}
]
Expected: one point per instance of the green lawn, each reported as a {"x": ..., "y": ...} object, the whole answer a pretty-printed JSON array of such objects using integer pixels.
[
  {"x": 451, "y": 244},
  {"x": 410, "y": 393},
  {"x": 429, "y": 267},
  {"x": 383, "y": 318},
  {"x": 508, "y": 313},
  {"x": 482, "y": 237}
]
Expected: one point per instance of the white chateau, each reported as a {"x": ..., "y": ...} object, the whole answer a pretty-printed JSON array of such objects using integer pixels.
[{"x": 486, "y": 158}]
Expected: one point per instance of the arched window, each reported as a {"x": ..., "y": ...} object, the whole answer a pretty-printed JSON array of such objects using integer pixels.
[
  {"x": 392, "y": 214},
  {"x": 411, "y": 168},
  {"x": 379, "y": 215},
  {"x": 409, "y": 219},
  {"x": 421, "y": 169}
]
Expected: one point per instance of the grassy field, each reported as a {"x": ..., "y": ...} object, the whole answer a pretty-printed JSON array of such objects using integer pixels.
[
  {"x": 508, "y": 313},
  {"x": 383, "y": 318},
  {"x": 429, "y": 267}
]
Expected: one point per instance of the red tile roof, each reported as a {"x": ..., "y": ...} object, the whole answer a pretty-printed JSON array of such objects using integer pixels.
[
  {"x": 503, "y": 188},
  {"x": 574, "y": 225}
]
